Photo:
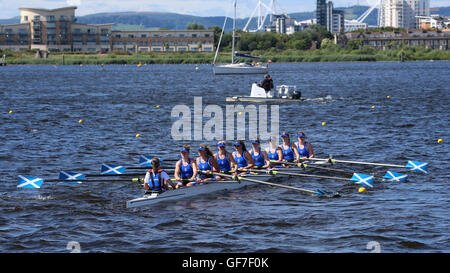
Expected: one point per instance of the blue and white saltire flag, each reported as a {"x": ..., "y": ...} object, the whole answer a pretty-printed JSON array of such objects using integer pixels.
[
  {"x": 145, "y": 161},
  {"x": 417, "y": 166},
  {"x": 396, "y": 177},
  {"x": 29, "y": 182},
  {"x": 363, "y": 179},
  {"x": 112, "y": 169},
  {"x": 71, "y": 177}
]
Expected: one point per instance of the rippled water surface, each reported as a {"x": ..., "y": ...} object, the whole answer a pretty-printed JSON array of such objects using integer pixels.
[{"x": 43, "y": 137}]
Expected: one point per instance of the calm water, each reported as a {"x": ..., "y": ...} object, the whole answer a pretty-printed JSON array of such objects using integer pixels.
[{"x": 43, "y": 136}]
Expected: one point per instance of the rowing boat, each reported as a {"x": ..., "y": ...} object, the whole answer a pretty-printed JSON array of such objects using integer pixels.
[{"x": 186, "y": 192}]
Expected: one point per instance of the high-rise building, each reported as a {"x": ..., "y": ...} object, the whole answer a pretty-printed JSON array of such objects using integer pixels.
[
  {"x": 335, "y": 19},
  {"x": 321, "y": 12},
  {"x": 402, "y": 13}
]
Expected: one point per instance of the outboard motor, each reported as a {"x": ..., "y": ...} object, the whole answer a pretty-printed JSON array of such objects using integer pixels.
[{"x": 296, "y": 95}]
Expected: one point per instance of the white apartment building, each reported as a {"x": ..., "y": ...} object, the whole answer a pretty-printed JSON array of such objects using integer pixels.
[{"x": 402, "y": 13}]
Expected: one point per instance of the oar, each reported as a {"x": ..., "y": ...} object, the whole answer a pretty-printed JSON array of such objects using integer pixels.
[
  {"x": 318, "y": 192},
  {"x": 389, "y": 176},
  {"x": 361, "y": 179},
  {"x": 412, "y": 165},
  {"x": 31, "y": 182}
]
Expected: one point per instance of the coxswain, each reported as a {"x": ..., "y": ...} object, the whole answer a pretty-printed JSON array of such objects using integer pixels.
[
  {"x": 157, "y": 179},
  {"x": 242, "y": 157},
  {"x": 259, "y": 156},
  {"x": 185, "y": 169},
  {"x": 304, "y": 149},
  {"x": 287, "y": 147},
  {"x": 274, "y": 152},
  {"x": 224, "y": 159},
  {"x": 206, "y": 164}
]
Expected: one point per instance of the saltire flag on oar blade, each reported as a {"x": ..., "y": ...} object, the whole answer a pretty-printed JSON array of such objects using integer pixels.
[
  {"x": 396, "y": 177},
  {"x": 112, "y": 169},
  {"x": 363, "y": 179},
  {"x": 145, "y": 161},
  {"x": 417, "y": 166},
  {"x": 29, "y": 182},
  {"x": 72, "y": 177}
]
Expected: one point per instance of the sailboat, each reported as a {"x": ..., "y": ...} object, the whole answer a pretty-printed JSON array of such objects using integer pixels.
[{"x": 236, "y": 68}]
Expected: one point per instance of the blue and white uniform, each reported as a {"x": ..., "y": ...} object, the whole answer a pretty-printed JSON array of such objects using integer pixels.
[
  {"x": 303, "y": 152},
  {"x": 259, "y": 159},
  {"x": 186, "y": 171},
  {"x": 224, "y": 164},
  {"x": 273, "y": 156},
  {"x": 288, "y": 154},
  {"x": 206, "y": 166},
  {"x": 241, "y": 161}
]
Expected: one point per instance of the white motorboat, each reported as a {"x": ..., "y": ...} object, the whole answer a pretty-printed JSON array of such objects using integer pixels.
[{"x": 282, "y": 93}]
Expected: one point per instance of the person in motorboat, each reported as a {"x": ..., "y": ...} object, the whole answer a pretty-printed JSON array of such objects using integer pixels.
[
  {"x": 274, "y": 152},
  {"x": 259, "y": 156},
  {"x": 303, "y": 149},
  {"x": 185, "y": 169},
  {"x": 225, "y": 159},
  {"x": 287, "y": 147},
  {"x": 242, "y": 157},
  {"x": 157, "y": 179},
  {"x": 267, "y": 83},
  {"x": 206, "y": 164}
]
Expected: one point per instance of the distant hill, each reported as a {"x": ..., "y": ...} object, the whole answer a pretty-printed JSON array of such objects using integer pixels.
[{"x": 155, "y": 20}]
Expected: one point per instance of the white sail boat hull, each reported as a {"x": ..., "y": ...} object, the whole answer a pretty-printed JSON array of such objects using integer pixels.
[{"x": 240, "y": 68}]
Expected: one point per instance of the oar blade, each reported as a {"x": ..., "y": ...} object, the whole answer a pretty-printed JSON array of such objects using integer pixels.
[
  {"x": 145, "y": 160},
  {"x": 395, "y": 177},
  {"x": 111, "y": 169},
  {"x": 363, "y": 179},
  {"x": 417, "y": 166},
  {"x": 323, "y": 193},
  {"x": 71, "y": 176},
  {"x": 29, "y": 182}
]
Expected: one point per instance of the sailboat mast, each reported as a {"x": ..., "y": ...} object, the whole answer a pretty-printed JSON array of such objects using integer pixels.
[{"x": 234, "y": 31}]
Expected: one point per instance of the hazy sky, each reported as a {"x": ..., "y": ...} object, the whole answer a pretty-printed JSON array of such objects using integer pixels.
[{"x": 9, "y": 8}]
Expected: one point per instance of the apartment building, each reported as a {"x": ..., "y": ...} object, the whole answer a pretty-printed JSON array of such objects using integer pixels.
[
  {"x": 402, "y": 13},
  {"x": 163, "y": 41},
  {"x": 58, "y": 30}
]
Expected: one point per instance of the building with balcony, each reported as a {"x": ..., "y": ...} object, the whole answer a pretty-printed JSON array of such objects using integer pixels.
[
  {"x": 58, "y": 30},
  {"x": 163, "y": 41}
]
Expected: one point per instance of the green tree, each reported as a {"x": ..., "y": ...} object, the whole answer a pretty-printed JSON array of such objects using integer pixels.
[{"x": 194, "y": 26}]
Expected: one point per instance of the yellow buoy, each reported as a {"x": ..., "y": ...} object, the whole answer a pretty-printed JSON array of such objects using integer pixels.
[
  {"x": 373, "y": 106},
  {"x": 139, "y": 64},
  {"x": 196, "y": 68},
  {"x": 10, "y": 112},
  {"x": 388, "y": 97},
  {"x": 157, "y": 106},
  {"x": 138, "y": 135},
  {"x": 324, "y": 123},
  {"x": 362, "y": 189},
  {"x": 440, "y": 140},
  {"x": 80, "y": 121}
]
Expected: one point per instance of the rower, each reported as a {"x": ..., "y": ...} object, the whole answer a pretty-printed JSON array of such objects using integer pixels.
[
  {"x": 206, "y": 163},
  {"x": 304, "y": 149},
  {"x": 259, "y": 156},
  {"x": 242, "y": 157},
  {"x": 185, "y": 169},
  {"x": 224, "y": 159},
  {"x": 287, "y": 147},
  {"x": 274, "y": 152},
  {"x": 157, "y": 179}
]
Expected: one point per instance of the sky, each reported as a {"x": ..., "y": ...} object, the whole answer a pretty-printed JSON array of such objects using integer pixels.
[{"x": 9, "y": 8}]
